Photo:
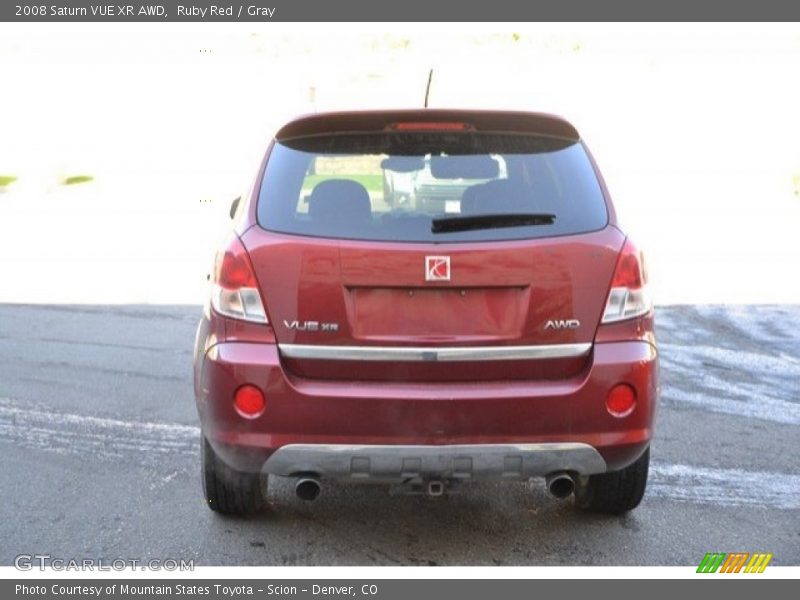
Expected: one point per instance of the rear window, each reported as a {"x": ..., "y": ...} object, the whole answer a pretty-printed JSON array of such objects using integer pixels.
[{"x": 396, "y": 186}]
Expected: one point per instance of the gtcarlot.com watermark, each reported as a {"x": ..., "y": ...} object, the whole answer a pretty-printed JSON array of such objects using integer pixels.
[{"x": 42, "y": 562}]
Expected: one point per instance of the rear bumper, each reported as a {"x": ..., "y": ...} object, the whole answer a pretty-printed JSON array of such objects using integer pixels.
[
  {"x": 394, "y": 463},
  {"x": 551, "y": 424}
]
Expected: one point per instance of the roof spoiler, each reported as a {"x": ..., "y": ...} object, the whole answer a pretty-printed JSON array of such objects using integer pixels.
[{"x": 427, "y": 120}]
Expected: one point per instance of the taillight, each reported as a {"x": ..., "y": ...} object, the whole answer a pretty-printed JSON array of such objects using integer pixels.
[
  {"x": 234, "y": 290},
  {"x": 629, "y": 295}
]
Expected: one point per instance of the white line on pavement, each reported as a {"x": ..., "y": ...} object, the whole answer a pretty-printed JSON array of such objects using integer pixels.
[
  {"x": 68, "y": 433},
  {"x": 724, "y": 487}
]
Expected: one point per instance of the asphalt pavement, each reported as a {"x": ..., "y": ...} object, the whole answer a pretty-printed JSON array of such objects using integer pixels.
[{"x": 99, "y": 446}]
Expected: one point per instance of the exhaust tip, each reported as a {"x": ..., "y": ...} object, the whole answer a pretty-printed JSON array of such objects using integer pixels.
[
  {"x": 307, "y": 488},
  {"x": 560, "y": 485}
]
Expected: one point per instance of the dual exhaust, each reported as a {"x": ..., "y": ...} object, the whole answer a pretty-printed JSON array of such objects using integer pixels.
[
  {"x": 307, "y": 488},
  {"x": 561, "y": 485}
]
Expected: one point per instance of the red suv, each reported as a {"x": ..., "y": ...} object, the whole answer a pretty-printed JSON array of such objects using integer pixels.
[{"x": 503, "y": 334}]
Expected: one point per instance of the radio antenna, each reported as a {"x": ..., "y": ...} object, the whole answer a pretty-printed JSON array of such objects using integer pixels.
[{"x": 428, "y": 87}]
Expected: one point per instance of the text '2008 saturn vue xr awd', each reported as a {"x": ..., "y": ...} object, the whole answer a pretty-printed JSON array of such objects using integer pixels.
[{"x": 501, "y": 332}]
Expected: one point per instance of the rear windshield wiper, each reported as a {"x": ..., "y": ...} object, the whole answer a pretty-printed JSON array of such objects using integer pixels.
[{"x": 490, "y": 221}]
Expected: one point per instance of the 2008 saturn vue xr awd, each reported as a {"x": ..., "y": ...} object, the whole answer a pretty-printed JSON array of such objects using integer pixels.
[{"x": 501, "y": 330}]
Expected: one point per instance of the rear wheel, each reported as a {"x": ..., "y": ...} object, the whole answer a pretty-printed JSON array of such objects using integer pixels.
[
  {"x": 617, "y": 492},
  {"x": 227, "y": 490}
]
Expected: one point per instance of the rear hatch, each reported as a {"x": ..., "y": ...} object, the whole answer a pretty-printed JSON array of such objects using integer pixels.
[{"x": 509, "y": 281}]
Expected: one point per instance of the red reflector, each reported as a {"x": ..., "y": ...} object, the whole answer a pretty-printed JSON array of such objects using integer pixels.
[
  {"x": 249, "y": 401},
  {"x": 431, "y": 126},
  {"x": 621, "y": 400}
]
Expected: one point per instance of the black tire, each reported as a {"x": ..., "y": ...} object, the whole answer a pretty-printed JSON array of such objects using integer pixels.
[
  {"x": 227, "y": 490},
  {"x": 617, "y": 492}
]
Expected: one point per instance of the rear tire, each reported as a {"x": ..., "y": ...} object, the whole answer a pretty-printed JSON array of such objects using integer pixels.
[
  {"x": 227, "y": 490},
  {"x": 617, "y": 492}
]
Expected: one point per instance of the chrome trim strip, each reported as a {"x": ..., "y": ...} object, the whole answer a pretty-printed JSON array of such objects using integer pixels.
[
  {"x": 433, "y": 354},
  {"x": 461, "y": 461}
]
